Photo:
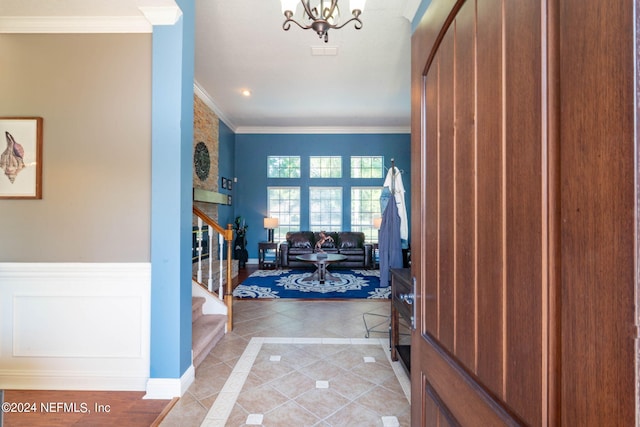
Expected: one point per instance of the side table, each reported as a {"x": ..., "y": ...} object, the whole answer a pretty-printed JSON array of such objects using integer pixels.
[{"x": 267, "y": 255}]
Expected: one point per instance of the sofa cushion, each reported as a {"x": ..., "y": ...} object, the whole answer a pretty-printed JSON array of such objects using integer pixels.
[
  {"x": 300, "y": 239},
  {"x": 351, "y": 240},
  {"x": 294, "y": 252}
]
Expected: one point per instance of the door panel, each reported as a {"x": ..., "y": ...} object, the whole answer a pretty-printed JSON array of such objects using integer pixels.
[
  {"x": 430, "y": 283},
  {"x": 464, "y": 189},
  {"x": 481, "y": 349},
  {"x": 489, "y": 195},
  {"x": 445, "y": 193},
  {"x": 523, "y": 245},
  {"x": 524, "y": 215}
]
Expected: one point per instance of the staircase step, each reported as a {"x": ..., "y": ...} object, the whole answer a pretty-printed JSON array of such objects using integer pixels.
[
  {"x": 196, "y": 308},
  {"x": 207, "y": 330}
]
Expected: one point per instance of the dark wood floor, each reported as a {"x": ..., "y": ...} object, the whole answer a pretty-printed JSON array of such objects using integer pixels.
[
  {"x": 35, "y": 408},
  {"x": 88, "y": 408},
  {"x": 243, "y": 273}
]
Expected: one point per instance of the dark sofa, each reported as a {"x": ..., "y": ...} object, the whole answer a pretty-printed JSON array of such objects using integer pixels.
[{"x": 349, "y": 243}]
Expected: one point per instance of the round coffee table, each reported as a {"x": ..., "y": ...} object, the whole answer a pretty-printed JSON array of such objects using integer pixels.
[{"x": 321, "y": 261}]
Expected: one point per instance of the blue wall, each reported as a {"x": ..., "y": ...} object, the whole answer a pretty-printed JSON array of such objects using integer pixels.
[
  {"x": 251, "y": 170},
  {"x": 171, "y": 195}
]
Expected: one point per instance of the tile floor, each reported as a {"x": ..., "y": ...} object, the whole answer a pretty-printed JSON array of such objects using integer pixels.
[{"x": 298, "y": 363}]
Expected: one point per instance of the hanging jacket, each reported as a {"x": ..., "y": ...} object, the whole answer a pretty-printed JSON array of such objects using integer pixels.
[
  {"x": 390, "y": 242},
  {"x": 393, "y": 181}
]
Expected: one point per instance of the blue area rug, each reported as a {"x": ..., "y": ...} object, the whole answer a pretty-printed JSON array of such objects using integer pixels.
[{"x": 288, "y": 283}]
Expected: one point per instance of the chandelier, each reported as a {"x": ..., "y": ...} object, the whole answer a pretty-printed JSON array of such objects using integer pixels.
[{"x": 323, "y": 14}]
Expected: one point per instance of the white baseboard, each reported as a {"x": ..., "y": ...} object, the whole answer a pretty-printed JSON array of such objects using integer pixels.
[
  {"x": 168, "y": 388},
  {"x": 19, "y": 380}
]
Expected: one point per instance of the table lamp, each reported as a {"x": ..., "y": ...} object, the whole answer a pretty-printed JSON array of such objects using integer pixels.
[
  {"x": 377, "y": 223},
  {"x": 270, "y": 224}
]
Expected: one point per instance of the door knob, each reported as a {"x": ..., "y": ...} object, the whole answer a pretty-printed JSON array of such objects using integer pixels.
[{"x": 408, "y": 298}]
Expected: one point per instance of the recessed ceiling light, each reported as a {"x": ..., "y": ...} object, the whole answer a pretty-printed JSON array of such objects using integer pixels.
[{"x": 246, "y": 92}]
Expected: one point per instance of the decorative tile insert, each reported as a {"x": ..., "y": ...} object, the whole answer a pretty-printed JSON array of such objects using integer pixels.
[
  {"x": 255, "y": 419},
  {"x": 313, "y": 361},
  {"x": 390, "y": 422}
]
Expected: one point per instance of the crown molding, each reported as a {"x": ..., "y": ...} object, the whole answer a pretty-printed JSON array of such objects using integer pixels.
[
  {"x": 74, "y": 24},
  {"x": 322, "y": 130},
  {"x": 149, "y": 15},
  {"x": 204, "y": 96},
  {"x": 161, "y": 15}
]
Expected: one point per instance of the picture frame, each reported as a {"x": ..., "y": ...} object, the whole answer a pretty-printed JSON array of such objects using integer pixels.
[
  {"x": 229, "y": 184},
  {"x": 229, "y": 200},
  {"x": 224, "y": 183},
  {"x": 21, "y": 158}
]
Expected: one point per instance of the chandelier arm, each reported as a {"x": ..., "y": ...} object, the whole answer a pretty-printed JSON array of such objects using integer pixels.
[
  {"x": 287, "y": 24},
  {"x": 355, "y": 19}
]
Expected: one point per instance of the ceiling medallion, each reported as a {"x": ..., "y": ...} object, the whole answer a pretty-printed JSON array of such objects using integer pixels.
[{"x": 323, "y": 14}]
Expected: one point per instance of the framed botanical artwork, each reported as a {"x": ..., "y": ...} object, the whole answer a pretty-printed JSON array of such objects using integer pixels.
[
  {"x": 229, "y": 200},
  {"x": 21, "y": 160},
  {"x": 224, "y": 183},
  {"x": 230, "y": 184}
]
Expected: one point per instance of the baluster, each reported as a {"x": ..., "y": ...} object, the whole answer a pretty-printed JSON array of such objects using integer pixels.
[
  {"x": 220, "y": 255},
  {"x": 199, "y": 249},
  {"x": 210, "y": 280}
]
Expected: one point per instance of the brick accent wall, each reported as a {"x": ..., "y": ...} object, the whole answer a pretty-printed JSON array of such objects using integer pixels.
[{"x": 205, "y": 129}]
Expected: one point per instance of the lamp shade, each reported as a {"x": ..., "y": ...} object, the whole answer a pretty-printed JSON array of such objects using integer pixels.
[
  {"x": 289, "y": 5},
  {"x": 356, "y": 5},
  {"x": 271, "y": 223},
  {"x": 377, "y": 223}
]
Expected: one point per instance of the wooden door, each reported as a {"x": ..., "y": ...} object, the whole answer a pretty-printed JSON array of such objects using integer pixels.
[{"x": 523, "y": 232}]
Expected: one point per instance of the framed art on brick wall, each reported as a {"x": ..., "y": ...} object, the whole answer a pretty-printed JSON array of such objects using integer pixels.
[{"x": 21, "y": 160}]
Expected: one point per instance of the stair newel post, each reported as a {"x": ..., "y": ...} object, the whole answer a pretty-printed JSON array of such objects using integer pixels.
[
  {"x": 199, "y": 249},
  {"x": 228, "y": 296}
]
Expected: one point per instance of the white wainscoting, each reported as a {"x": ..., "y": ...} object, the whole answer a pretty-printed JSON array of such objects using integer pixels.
[{"x": 75, "y": 326}]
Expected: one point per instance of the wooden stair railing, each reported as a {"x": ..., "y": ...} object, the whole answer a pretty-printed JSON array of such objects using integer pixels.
[{"x": 227, "y": 234}]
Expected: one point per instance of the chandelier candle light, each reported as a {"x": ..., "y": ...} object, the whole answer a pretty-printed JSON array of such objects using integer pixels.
[{"x": 323, "y": 15}]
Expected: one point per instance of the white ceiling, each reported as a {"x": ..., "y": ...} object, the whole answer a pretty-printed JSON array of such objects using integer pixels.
[{"x": 240, "y": 44}]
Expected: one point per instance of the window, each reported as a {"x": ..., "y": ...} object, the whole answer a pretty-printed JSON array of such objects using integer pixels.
[
  {"x": 284, "y": 203},
  {"x": 367, "y": 167},
  {"x": 283, "y": 167},
  {"x": 325, "y": 167},
  {"x": 365, "y": 206},
  {"x": 325, "y": 208}
]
